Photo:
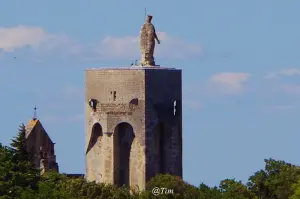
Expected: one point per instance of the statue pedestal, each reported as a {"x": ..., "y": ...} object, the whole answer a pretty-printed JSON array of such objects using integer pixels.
[
  {"x": 146, "y": 66},
  {"x": 145, "y": 62}
]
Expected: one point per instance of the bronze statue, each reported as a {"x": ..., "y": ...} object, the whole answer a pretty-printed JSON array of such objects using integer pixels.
[{"x": 147, "y": 42}]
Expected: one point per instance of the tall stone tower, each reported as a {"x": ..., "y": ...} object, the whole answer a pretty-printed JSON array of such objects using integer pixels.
[
  {"x": 133, "y": 119},
  {"x": 40, "y": 146}
]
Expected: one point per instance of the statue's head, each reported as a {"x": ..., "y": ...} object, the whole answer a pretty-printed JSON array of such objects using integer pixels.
[{"x": 149, "y": 18}]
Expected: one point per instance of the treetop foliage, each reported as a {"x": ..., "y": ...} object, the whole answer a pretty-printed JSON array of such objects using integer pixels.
[{"x": 20, "y": 179}]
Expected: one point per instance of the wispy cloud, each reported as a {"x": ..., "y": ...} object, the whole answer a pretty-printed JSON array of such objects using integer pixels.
[
  {"x": 127, "y": 47},
  {"x": 285, "y": 72},
  {"x": 21, "y": 36},
  {"x": 34, "y": 38},
  {"x": 228, "y": 83}
]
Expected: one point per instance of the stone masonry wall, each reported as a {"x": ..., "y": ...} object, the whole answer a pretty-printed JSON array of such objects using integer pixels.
[
  {"x": 38, "y": 141},
  {"x": 142, "y": 98},
  {"x": 128, "y": 86},
  {"x": 163, "y": 88}
]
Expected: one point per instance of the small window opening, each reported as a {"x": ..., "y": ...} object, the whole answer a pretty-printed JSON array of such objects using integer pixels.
[
  {"x": 176, "y": 111},
  {"x": 93, "y": 103},
  {"x": 174, "y": 108},
  {"x": 115, "y": 95}
]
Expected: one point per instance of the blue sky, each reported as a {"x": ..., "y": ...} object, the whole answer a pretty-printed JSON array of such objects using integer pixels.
[{"x": 240, "y": 62}]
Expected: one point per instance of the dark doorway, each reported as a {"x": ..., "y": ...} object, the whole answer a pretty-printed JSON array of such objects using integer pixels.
[{"x": 123, "y": 138}]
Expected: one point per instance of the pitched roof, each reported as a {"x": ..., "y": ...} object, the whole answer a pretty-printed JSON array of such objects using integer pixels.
[{"x": 32, "y": 124}]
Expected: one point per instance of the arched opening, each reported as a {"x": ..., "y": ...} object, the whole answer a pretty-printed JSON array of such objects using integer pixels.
[
  {"x": 123, "y": 138},
  {"x": 94, "y": 154},
  {"x": 96, "y": 136}
]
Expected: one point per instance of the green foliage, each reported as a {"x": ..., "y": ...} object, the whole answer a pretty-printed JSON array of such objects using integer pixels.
[
  {"x": 20, "y": 179},
  {"x": 19, "y": 143},
  {"x": 233, "y": 189},
  {"x": 180, "y": 188},
  {"x": 276, "y": 181},
  {"x": 205, "y": 192},
  {"x": 59, "y": 186},
  {"x": 296, "y": 191},
  {"x": 49, "y": 186},
  {"x": 17, "y": 178}
]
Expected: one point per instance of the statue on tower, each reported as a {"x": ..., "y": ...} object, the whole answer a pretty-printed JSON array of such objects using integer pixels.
[{"x": 147, "y": 42}]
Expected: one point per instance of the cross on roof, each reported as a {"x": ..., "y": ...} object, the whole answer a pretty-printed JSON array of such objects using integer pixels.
[{"x": 34, "y": 113}]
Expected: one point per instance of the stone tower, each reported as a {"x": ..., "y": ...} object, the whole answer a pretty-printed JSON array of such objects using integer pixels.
[
  {"x": 133, "y": 122},
  {"x": 40, "y": 146}
]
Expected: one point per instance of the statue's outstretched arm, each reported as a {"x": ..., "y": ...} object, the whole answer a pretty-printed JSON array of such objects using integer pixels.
[{"x": 155, "y": 36}]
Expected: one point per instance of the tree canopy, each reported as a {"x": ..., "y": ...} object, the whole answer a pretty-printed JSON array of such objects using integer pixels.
[{"x": 20, "y": 179}]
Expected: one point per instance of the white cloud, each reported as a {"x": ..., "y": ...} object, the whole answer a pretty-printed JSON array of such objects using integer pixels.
[
  {"x": 122, "y": 47},
  {"x": 229, "y": 83},
  {"x": 20, "y": 36},
  {"x": 285, "y": 72},
  {"x": 126, "y": 47},
  {"x": 32, "y": 37}
]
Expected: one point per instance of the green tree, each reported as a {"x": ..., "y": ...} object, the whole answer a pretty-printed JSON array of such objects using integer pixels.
[
  {"x": 26, "y": 174},
  {"x": 5, "y": 165},
  {"x": 231, "y": 188},
  {"x": 14, "y": 180},
  {"x": 275, "y": 182},
  {"x": 180, "y": 188},
  {"x": 49, "y": 186},
  {"x": 20, "y": 179},
  {"x": 59, "y": 186},
  {"x": 18, "y": 176},
  {"x": 18, "y": 144},
  {"x": 209, "y": 193},
  {"x": 257, "y": 184},
  {"x": 296, "y": 191}
]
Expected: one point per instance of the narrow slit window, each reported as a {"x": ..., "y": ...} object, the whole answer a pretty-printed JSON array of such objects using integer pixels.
[
  {"x": 115, "y": 95},
  {"x": 176, "y": 108}
]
